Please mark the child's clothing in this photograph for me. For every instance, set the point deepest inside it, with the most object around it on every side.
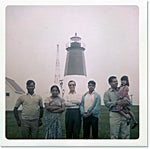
(122, 109)
(122, 95)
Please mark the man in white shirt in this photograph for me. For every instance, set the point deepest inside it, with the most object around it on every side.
(72, 115)
(90, 110)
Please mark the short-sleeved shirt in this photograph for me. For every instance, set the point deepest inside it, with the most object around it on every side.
(30, 106)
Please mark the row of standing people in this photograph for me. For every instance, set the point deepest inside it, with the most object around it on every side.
(78, 107)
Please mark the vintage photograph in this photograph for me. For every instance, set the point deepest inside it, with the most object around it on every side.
(73, 72)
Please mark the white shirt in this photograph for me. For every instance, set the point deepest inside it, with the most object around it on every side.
(89, 99)
(72, 100)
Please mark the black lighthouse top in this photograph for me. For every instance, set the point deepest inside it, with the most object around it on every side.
(75, 43)
(75, 38)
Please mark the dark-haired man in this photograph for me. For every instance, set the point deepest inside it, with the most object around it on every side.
(32, 112)
(72, 115)
(90, 110)
(118, 123)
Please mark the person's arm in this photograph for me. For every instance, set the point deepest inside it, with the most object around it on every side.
(107, 101)
(41, 112)
(76, 102)
(15, 111)
(61, 109)
(69, 103)
(124, 102)
(41, 108)
(51, 107)
(77, 99)
(82, 106)
(16, 114)
(40, 116)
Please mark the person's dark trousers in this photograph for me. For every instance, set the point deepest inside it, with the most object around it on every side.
(89, 122)
(72, 123)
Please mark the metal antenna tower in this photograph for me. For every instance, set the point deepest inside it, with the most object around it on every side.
(57, 68)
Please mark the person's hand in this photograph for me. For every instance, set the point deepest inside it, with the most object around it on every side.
(126, 102)
(86, 114)
(19, 123)
(122, 102)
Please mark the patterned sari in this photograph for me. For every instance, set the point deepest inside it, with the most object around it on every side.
(52, 122)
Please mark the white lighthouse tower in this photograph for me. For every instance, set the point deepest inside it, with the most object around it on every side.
(75, 68)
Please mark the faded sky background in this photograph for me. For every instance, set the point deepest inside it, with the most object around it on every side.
(110, 33)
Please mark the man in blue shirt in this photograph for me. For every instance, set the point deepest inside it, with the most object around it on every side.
(90, 110)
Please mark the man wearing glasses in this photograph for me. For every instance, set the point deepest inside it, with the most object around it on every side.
(72, 115)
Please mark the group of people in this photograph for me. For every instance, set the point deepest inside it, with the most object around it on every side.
(78, 109)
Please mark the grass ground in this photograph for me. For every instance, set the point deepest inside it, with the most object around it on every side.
(13, 131)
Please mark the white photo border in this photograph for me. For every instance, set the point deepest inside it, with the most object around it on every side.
(143, 131)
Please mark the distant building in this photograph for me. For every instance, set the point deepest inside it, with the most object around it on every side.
(13, 91)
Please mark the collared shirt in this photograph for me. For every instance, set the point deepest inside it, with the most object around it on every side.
(72, 100)
(110, 97)
(30, 106)
(89, 99)
(94, 109)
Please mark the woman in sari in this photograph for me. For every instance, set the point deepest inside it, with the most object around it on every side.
(52, 120)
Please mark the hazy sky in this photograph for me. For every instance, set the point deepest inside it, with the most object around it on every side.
(110, 33)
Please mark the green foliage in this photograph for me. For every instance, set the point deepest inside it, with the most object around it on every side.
(13, 131)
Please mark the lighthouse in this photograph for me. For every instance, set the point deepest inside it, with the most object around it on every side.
(75, 67)
(75, 61)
